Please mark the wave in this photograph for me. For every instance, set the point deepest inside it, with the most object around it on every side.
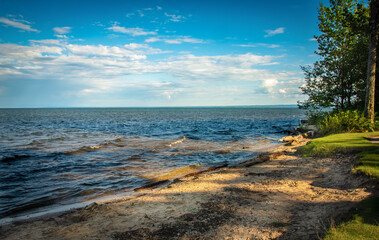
(40, 142)
(84, 150)
(117, 142)
(176, 142)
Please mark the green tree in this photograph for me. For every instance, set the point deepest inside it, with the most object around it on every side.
(372, 61)
(337, 80)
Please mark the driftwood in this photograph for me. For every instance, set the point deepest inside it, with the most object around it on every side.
(205, 170)
(158, 183)
(151, 185)
(262, 158)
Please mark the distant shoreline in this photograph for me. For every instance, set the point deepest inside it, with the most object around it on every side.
(161, 107)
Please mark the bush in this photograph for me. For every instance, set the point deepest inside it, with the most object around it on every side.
(315, 117)
(346, 121)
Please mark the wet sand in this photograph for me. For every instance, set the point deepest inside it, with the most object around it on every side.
(278, 195)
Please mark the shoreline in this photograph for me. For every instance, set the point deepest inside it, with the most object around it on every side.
(261, 198)
(158, 181)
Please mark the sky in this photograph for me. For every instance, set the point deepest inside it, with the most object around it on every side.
(151, 53)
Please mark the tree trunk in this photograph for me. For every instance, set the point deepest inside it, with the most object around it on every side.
(371, 68)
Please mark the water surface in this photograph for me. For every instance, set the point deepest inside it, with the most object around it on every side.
(60, 157)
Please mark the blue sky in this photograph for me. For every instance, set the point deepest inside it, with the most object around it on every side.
(154, 53)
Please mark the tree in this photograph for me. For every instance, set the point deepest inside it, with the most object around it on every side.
(337, 80)
(371, 66)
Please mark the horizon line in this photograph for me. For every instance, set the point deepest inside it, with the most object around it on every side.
(220, 106)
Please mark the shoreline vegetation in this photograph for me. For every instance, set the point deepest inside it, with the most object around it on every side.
(342, 89)
(285, 193)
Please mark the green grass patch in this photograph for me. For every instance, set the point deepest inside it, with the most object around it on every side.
(363, 224)
(347, 143)
(369, 163)
(338, 143)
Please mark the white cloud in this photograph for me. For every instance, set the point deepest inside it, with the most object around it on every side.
(62, 30)
(128, 15)
(18, 23)
(218, 68)
(312, 39)
(144, 48)
(103, 51)
(152, 39)
(25, 54)
(136, 46)
(271, 33)
(269, 83)
(143, 12)
(169, 93)
(60, 36)
(132, 31)
(175, 18)
(48, 41)
(174, 40)
(259, 45)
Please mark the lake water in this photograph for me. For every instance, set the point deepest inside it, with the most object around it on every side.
(51, 158)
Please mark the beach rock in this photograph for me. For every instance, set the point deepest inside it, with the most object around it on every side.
(91, 206)
(287, 139)
(292, 140)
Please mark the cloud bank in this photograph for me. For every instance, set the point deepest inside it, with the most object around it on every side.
(102, 69)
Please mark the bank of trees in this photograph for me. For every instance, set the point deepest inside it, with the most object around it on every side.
(339, 79)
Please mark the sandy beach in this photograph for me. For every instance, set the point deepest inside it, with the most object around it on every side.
(279, 195)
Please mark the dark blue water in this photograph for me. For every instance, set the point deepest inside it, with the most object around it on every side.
(55, 157)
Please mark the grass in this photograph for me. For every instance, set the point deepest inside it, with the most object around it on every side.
(335, 143)
(364, 223)
(347, 143)
(369, 163)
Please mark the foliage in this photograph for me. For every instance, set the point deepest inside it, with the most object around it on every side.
(345, 121)
(315, 117)
(338, 79)
(363, 224)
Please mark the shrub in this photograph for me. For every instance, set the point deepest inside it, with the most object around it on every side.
(315, 117)
(346, 121)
